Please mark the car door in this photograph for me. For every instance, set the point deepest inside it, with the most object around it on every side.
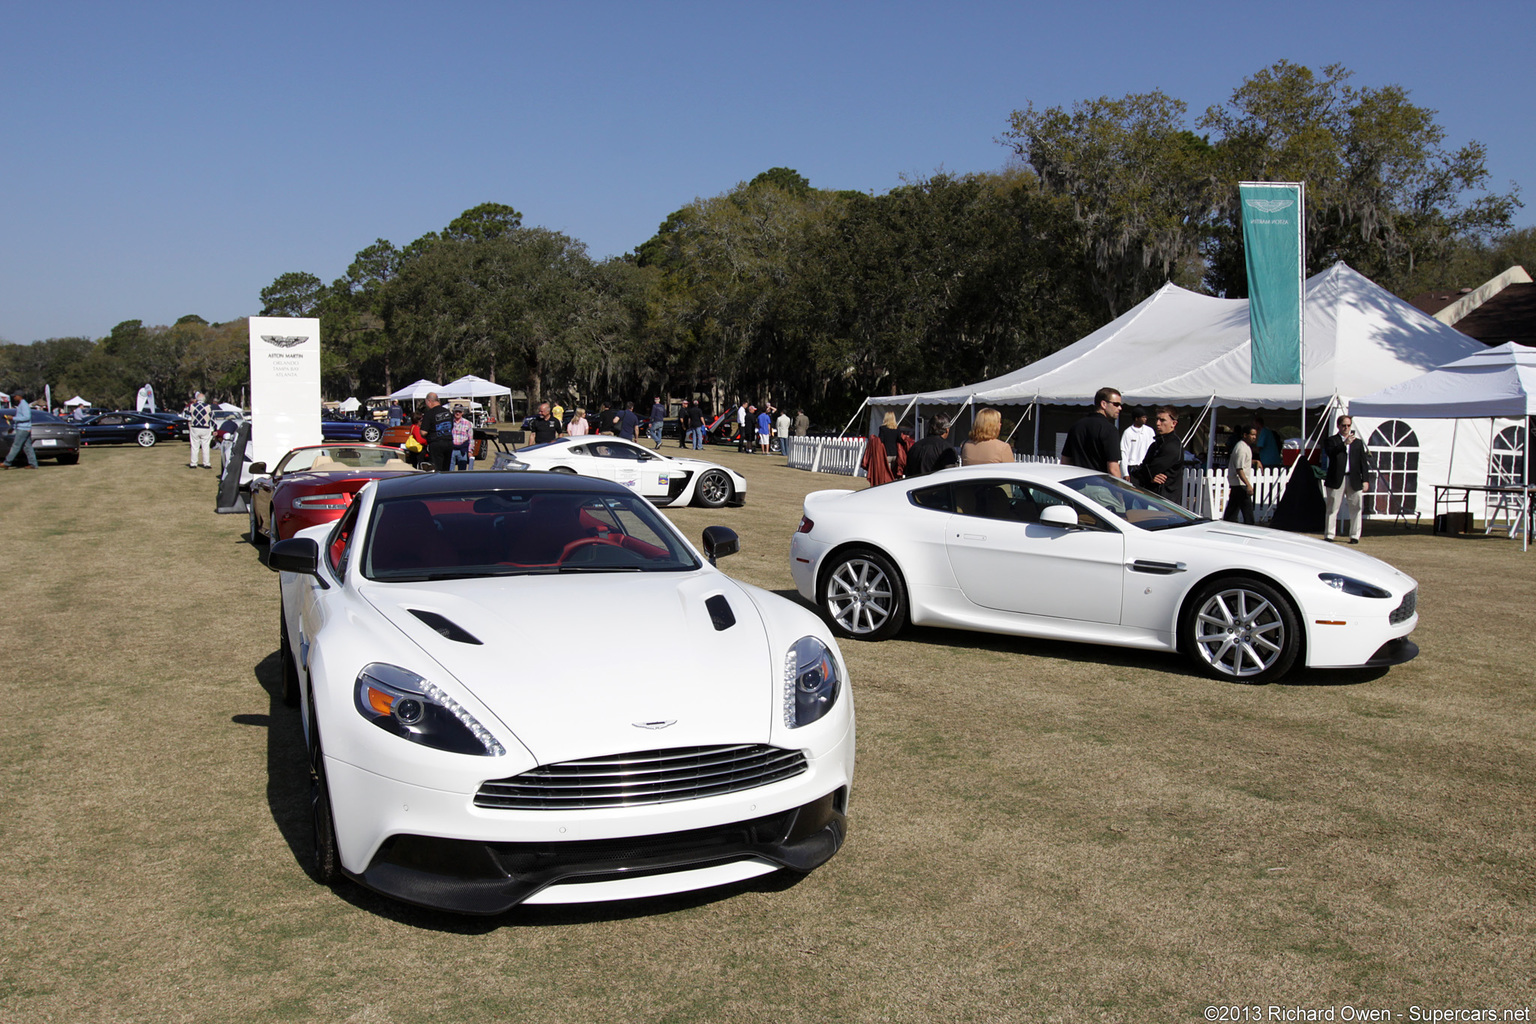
(1005, 559)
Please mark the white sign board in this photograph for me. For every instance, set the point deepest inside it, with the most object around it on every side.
(285, 385)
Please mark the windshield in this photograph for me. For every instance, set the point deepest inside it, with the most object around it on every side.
(515, 533)
(1132, 504)
(340, 456)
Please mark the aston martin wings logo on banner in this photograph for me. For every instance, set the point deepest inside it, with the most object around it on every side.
(284, 340)
(1272, 246)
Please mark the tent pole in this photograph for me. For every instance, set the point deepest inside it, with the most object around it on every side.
(1035, 406)
(855, 416)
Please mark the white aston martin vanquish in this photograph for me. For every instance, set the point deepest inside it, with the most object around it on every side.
(661, 478)
(522, 687)
(1054, 551)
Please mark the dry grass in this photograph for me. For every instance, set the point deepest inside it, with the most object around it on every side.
(1039, 831)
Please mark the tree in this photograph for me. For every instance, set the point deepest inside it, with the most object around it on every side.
(292, 294)
(483, 222)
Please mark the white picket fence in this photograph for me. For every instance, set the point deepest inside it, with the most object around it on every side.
(1205, 492)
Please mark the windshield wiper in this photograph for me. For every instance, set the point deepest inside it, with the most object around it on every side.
(600, 568)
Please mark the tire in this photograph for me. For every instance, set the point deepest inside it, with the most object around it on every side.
(1241, 629)
(372, 434)
(69, 460)
(324, 862)
(146, 438)
(567, 470)
(713, 489)
(257, 537)
(862, 597)
(285, 655)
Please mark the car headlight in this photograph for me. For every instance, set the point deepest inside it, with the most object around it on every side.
(1350, 585)
(401, 702)
(810, 682)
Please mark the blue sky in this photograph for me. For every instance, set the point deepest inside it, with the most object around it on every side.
(165, 158)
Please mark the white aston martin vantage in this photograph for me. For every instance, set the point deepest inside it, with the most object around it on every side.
(661, 478)
(1054, 551)
(529, 688)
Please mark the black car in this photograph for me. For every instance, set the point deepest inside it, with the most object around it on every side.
(142, 429)
(52, 437)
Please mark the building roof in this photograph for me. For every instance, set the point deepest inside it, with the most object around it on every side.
(1508, 316)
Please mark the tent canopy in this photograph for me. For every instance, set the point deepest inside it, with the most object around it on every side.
(470, 386)
(1497, 381)
(350, 405)
(1181, 348)
(419, 390)
(77, 400)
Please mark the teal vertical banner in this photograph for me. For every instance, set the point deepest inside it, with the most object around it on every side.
(1272, 245)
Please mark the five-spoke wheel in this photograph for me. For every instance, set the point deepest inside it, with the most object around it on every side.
(1242, 629)
(862, 596)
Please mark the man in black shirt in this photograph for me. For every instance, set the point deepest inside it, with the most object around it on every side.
(437, 428)
(629, 423)
(933, 452)
(1161, 471)
(544, 427)
(1093, 442)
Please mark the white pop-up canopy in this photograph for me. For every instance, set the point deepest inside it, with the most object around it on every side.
(1182, 348)
(1497, 381)
(470, 386)
(419, 390)
(350, 405)
(77, 400)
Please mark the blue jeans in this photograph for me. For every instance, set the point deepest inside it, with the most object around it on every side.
(698, 438)
(656, 432)
(21, 442)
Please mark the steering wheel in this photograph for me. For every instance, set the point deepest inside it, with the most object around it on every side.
(580, 543)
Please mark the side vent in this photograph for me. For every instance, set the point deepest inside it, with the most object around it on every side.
(720, 612)
(451, 630)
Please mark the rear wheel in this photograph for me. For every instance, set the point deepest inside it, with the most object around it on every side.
(285, 655)
(372, 434)
(146, 438)
(862, 596)
(1241, 629)
(714, 488)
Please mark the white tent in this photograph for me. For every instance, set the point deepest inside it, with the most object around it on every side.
(1181, 348)
(470, 386)
(350, 405)
(77, 400)
(1492, 382)
(227, 407)
(417, 391)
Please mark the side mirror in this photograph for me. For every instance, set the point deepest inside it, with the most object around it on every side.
(720, 541)
(297, 554)
(258, 468)
(1059, 515)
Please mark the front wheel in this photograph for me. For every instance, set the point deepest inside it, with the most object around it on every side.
(1241, 629)
(714, 488)
(372, 434)
(862, 597)
(146, 438)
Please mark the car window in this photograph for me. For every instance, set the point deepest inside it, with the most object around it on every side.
(512, 532)
(1132, 504)
(1013, 501)
(339, 546)
(938, 498)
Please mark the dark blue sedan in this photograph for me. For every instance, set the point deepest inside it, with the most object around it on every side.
(138, 428)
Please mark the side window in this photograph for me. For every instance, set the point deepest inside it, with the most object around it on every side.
(937, 498)
(339, 547)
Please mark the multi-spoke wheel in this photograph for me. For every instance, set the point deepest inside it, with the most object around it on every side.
(1242, 629)
(714, 488)
(324, 861)
(372, 434)
(146, 438)
(862, 596)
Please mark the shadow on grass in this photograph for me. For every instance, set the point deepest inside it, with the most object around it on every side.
(1163, 663)
(288, 799)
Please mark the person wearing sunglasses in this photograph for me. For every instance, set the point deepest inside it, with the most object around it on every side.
(1094, 442)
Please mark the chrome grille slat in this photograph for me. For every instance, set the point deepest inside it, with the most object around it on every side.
(643, 777)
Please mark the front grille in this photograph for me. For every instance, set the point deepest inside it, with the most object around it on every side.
(643, 777)
(1404, 611)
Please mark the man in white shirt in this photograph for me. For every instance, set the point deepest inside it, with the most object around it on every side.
(1135, 441)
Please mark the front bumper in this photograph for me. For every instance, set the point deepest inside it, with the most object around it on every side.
(470, 877)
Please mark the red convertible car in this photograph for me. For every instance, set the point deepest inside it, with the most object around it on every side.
(315, 484)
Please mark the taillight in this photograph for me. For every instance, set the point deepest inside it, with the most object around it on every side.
(805, 525)
(325, 501)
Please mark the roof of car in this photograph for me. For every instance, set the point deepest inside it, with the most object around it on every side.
(420, 485)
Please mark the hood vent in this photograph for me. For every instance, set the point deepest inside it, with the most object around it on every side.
(451, 630)
(720, 612)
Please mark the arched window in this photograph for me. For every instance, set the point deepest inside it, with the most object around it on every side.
(1394, 447)
(1506, 462)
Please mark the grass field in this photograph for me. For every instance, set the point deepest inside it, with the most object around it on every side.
(1039, 831)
